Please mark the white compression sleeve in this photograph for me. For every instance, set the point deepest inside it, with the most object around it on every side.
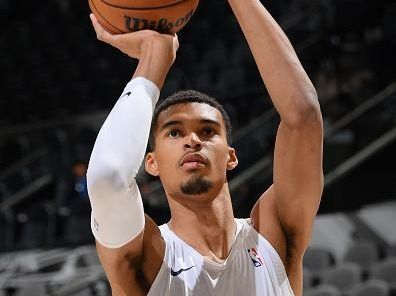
(117, 208)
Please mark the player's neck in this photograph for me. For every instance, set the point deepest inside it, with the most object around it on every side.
(207, 226)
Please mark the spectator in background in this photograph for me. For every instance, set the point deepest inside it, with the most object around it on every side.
(80, 180)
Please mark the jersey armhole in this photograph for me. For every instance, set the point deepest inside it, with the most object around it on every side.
(279, 267)
(164, 266)
(267, 244)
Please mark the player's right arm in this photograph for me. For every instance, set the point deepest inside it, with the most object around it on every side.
(123, 233)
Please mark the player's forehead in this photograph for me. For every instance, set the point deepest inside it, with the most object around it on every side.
(191, 112)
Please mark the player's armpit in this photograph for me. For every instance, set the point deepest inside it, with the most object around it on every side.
(132, 268)
(265, 220)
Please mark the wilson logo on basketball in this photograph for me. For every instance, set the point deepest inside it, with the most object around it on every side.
(124, 16)
(162, 25)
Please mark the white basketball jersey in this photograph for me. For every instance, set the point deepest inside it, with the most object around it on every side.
(252, 268)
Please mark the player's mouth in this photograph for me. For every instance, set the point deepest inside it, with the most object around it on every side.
(193, 161)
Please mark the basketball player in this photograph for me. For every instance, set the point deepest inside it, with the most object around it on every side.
(204, 250)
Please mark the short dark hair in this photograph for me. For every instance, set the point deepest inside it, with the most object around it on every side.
(188, 96)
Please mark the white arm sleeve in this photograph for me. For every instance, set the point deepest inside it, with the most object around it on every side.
(117, 209)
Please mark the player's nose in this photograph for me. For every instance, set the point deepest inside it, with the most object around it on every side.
(193, 141)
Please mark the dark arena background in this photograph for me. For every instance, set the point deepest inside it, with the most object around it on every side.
(58, 83)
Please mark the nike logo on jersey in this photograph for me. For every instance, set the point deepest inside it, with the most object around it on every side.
(126, 94)
(176, 273)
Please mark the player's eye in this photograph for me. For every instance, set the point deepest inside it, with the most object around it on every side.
(208, 131)
(173, 133)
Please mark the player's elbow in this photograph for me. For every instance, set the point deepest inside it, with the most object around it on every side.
(304, 112)
(104, 176)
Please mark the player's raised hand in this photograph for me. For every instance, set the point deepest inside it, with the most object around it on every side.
(135, 43)
(156, 52)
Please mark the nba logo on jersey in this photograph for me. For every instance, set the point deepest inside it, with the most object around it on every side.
(256, 257)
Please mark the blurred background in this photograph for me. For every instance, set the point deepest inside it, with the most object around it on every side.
(59, 83)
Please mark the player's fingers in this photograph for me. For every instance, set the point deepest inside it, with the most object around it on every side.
(101, 33)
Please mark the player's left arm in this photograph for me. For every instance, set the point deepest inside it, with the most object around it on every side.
(285, 212)
(298, 180)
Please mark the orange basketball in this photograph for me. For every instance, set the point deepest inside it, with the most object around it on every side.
(164, 16)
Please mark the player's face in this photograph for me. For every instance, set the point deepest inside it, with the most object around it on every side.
(191, 154)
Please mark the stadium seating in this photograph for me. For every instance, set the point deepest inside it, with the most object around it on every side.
(378, 217)
(392, 251)
(53, 272)
(362, 270)
(386, 271)
(318, 260)
(323, 290)
(334, 233)
(364, 253)
(32, 289)
(371, 288)
(308, 279)
(343, 276)
(3, 231)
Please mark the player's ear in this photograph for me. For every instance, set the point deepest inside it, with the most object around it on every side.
(232, 161)
(151, 164)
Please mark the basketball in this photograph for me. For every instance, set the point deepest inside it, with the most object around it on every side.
(123, 16)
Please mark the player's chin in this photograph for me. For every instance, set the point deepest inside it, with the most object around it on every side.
(196, 186)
